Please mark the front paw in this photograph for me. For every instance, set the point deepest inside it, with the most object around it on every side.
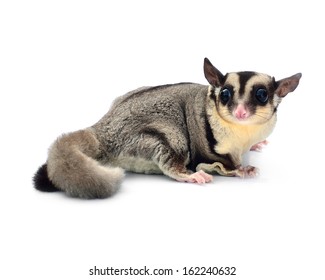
(259, 146)
(247, 171)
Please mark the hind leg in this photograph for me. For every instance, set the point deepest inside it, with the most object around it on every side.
(177, 170)
(173, 164)
(171, 156)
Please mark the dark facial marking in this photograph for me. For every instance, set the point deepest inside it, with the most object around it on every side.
(254, 103)
(243, 79)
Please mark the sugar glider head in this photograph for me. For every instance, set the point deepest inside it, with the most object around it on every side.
(247, 97)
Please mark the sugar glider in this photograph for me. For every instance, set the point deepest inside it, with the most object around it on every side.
(186, 131)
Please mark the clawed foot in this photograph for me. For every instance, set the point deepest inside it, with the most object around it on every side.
(199, 177)
(259, 146)
(247, 171)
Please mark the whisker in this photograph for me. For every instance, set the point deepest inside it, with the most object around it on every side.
(263, 113)
(262, 117)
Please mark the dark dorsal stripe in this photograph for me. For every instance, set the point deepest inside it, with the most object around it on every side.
(151, 89)
(243, 79)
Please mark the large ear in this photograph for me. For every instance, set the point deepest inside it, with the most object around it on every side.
(287, 85)
(212, 74)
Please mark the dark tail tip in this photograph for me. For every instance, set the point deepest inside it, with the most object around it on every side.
(42, 181)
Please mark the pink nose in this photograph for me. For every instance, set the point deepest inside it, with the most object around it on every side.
(241, 112)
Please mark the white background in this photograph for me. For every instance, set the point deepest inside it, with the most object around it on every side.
(62, 63)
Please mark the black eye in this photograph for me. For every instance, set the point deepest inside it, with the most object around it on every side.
(261, 95)
(225, 95)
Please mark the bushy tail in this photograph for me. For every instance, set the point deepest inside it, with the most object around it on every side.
(72, 167)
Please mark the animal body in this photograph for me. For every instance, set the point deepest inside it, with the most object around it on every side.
(186, 131)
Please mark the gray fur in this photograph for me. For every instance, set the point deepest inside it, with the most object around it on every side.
(158, 125)
(74, 166)
(173, 129)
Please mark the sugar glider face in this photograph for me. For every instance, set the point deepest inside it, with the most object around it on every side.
(247, 97)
